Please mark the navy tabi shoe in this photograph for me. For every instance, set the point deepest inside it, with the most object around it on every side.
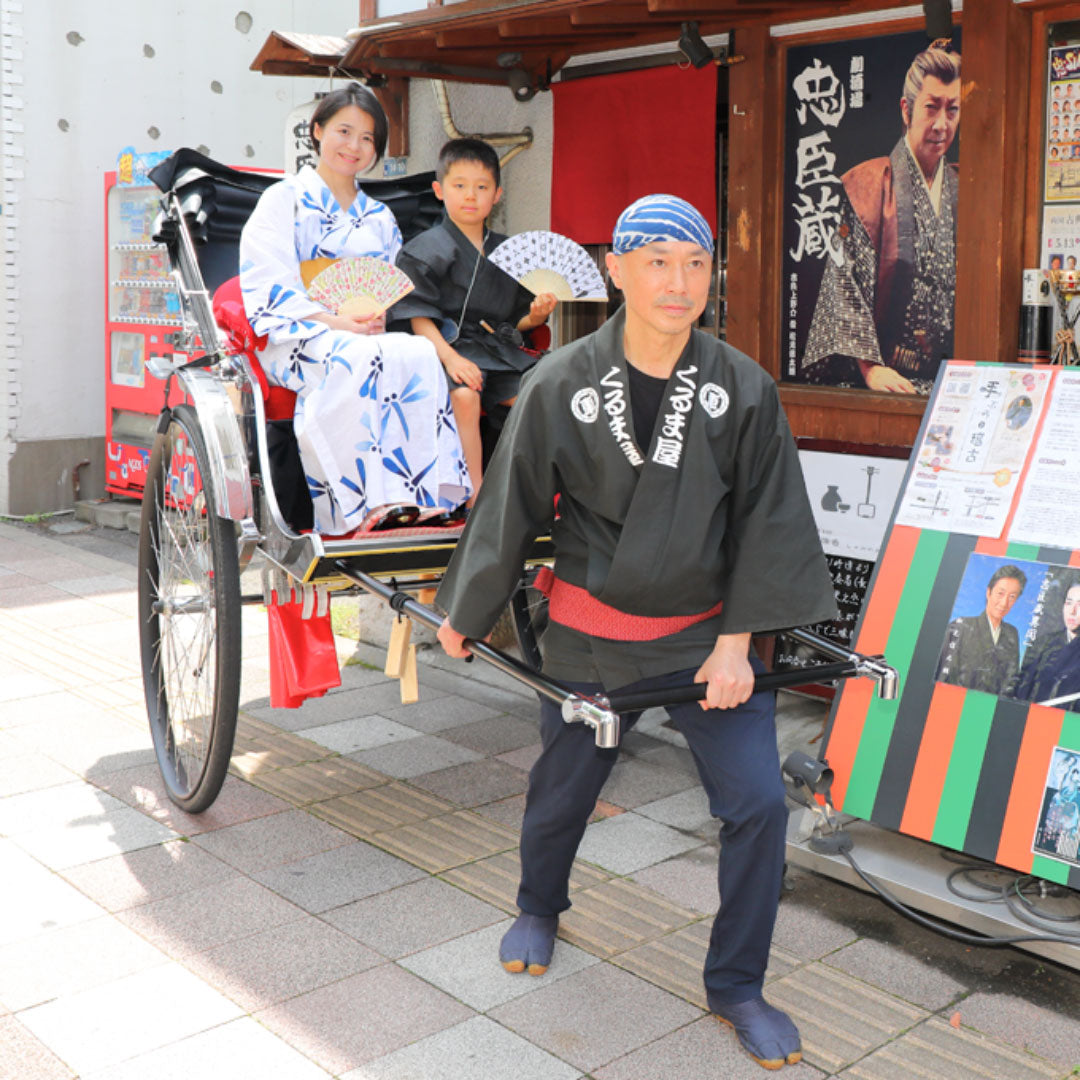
(767, 1034)
(529, 943)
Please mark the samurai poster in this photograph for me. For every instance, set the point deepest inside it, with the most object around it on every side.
(871, 140)
(1062, 159)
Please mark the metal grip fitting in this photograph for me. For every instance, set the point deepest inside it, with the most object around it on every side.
(597, 715)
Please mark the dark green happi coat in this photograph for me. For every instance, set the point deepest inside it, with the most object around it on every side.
(715, 508)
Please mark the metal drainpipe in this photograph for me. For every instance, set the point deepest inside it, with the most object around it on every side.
(517, 142)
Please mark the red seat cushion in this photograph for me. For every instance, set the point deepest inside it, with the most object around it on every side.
(230, 315)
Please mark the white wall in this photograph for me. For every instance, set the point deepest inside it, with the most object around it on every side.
(83, 79)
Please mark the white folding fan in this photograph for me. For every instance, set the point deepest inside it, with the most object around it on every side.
(549, 262)
(359, 286)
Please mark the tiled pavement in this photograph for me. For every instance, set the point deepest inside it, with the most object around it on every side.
(336, 913)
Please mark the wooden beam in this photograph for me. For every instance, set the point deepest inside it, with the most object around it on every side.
(369, 10)
(394, 98)
(543, 28)
(619, 14)
(994, 138)
(752, 97)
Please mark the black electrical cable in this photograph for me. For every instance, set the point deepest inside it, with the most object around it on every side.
(1061, 938)
(948, 931)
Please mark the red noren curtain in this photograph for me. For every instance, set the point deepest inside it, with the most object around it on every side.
(618, 137)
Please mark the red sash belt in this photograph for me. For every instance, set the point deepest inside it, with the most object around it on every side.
(575, 607)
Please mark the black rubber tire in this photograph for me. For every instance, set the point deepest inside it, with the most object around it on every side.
(529, 610)
(189, 616)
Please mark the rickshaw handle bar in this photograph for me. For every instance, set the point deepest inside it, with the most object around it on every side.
(602, 713)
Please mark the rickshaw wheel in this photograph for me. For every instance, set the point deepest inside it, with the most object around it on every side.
(189, 616)
(529, 609)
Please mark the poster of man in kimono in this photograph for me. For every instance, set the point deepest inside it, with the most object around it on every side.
(1058, 831)
(869, 205)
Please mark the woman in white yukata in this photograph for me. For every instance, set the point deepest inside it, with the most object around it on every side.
(373, 418)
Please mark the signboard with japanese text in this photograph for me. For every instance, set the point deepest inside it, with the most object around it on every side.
(1062, 154)
(852, 496)
(869, 209)
(975, 600)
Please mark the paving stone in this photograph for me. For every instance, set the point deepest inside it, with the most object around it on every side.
(379, 809)
(687, 810)
(508, 812)
(935, 1049)
(703, 1050)
(439, 713)
(496, 735)
(595, 1015)
(259, 746)
(271, 841)
(892, 969)
(24, 1057)
(239, 1050)
(630, 842)
(330, 879)
(524, 758)
(478, 1049)
(619, 915)
(71, 959)
(809, 933)
(689, 879)
(674, 962)
(107, 1024)
(475, 783)
(361, 733)
(24, 771)
(154, 873)
(143, 789)
(317, 781)
(440, 843)
(1023, 1024)
(266, 968)
(363, 692)
(363, 1017)
(413, 917)
(415, 757)
(468, 968)
(633, 783)
(496, 879)
(98, 837)
(840, 1019)
(201, 919)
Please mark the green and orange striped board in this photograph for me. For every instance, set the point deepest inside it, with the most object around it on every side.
(960, 768)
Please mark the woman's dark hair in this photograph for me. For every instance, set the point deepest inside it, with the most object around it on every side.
(351, 94)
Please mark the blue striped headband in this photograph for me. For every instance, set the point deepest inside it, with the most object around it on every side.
(660, 217)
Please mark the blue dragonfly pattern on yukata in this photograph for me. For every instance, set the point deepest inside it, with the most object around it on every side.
(373, 417)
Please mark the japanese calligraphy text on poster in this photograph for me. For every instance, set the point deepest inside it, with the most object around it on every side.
(977, 439)
(1048, 512)
(1060, 238)
(869, 205)
(1062, 161)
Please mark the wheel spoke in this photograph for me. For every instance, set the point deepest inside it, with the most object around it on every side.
(185, 577)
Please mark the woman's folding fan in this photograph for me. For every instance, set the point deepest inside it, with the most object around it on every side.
(360, 286)
(549, 262)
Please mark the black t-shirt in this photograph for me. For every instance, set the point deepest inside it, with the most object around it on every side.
(646, 397)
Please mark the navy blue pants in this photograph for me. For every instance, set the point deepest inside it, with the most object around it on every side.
(736, 756)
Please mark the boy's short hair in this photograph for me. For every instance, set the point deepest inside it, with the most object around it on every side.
(469, 150)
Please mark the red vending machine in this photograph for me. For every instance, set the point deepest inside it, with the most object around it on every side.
(142, 308)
